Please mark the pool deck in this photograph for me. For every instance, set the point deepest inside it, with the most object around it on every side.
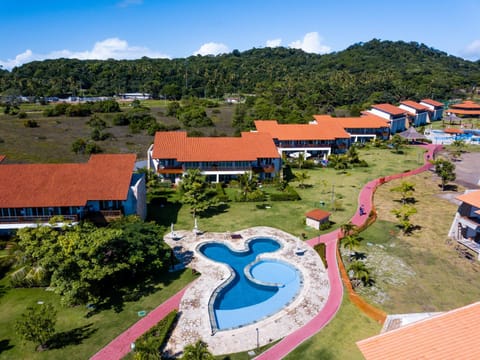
(194, 322)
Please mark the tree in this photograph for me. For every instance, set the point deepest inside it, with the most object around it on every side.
(197, 351)
(84, 263)
(196, 192)
(403, 215)
(351, 242)
(37, 324)
(397, 143)
(406, 189)
(302, 176)
(445, 170)
(359, 272)
(348, 228)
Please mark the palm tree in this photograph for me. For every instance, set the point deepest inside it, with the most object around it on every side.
(351, 242)
(348, 229)
(359, 272)
(301, 177)
(197, 351)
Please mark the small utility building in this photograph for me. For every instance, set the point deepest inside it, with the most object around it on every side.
(317, 217)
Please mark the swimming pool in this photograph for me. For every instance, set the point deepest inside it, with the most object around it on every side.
(255, 289)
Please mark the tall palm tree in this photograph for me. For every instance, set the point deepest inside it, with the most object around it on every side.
(197, 351)
(351, 242)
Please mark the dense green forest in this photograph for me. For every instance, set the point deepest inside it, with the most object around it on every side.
(365, 73)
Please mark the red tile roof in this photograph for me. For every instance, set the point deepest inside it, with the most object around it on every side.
(2, 157)
(472, 198)
(389, 109)
(317, 214)
(432, 102)
(177, 145)
(453, 131)
(366, 121)
(103, 177)
(414, 105)
(466, 105)
(278, 131)
(451, 335)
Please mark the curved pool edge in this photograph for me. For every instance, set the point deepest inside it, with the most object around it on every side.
(194, 321)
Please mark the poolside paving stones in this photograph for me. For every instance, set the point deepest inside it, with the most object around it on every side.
(195, 323)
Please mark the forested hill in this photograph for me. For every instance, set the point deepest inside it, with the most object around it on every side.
(364, 73)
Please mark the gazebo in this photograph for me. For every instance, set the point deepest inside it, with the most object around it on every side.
(411, 134)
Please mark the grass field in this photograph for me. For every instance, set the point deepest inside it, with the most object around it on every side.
(423, 271)
(78, 335)
(52, 140)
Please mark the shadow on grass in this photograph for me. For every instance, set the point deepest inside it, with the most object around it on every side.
(5, 345)
(115, 298)
(71, 337)
(222, 208)
(163, 212)
(3, 290)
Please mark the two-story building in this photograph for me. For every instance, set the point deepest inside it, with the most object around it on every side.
(219, 158)
(435, 108)
(396, 117)
(311, 139)
(418, 113)
(361, 129)
(466, 224)
(31, 194)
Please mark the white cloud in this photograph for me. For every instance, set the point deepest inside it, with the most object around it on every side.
(473, 49)
(112, 48)
(212, 48)
(274, 43)
(126, 3)
(311, 43)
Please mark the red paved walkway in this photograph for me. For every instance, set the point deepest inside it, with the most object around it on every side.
(120, 346)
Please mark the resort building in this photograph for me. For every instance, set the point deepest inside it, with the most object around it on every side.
(435, 108)
(396, 117)
(219, 158)
(418, 113)
(465, 109)
(465, 227)
(31, 194)
(361, 129)
(448, 335)
(311, 139)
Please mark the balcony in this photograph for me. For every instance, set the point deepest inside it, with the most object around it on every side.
(34, 219)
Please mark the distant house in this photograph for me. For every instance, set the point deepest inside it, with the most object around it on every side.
(135, 96)
(465, 109)
(219, 158)
(396, 117)
(465, 228)
(418, 114)
(435, 108)
(311, 139)
(449, 335)
(32, 194)
(315, 218)
(361, 129)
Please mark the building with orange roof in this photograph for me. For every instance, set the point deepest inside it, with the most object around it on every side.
(105, 185)
(219, 158)
(465, 109)
(364, 128)
(449, 335)
(316, 217)
(418, 114)
(312, 139)
(435, 108)
(396, 117)
(465, 227)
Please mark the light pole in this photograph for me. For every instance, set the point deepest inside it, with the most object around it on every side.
(258, 339)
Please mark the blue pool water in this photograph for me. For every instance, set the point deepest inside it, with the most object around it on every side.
(257, 288)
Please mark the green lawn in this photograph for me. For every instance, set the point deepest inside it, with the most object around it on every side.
(80, 336)
(337, 340)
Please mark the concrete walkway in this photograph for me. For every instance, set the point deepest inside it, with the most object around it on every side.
(334, 301)
(120, 346)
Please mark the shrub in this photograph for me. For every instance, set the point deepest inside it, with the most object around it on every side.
(149, 344)
(22, 115)
(289, 194)
(30, 124)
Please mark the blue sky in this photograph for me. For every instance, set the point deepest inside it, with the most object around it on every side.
(128, 29)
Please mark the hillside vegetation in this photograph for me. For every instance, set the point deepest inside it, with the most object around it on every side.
(364, 73)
